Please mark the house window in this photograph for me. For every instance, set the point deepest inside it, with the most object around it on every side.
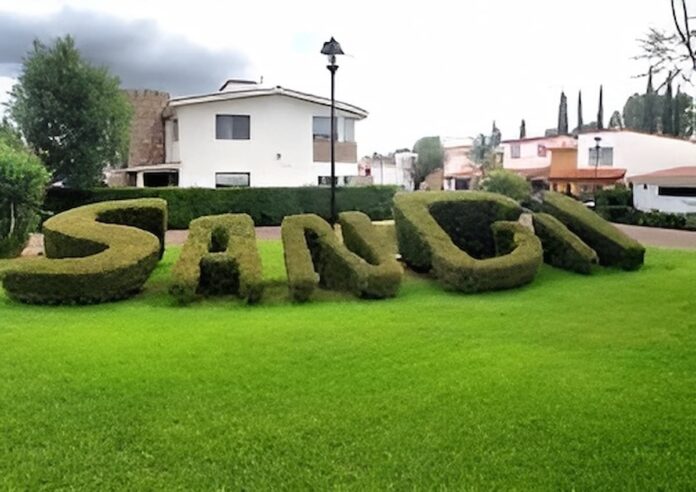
(232, 127)
(349, 131)
(326, 180)
(321, 128)
(232, 180)
(541, 150)
(515, 151)
(679, 191)
(606, 156)
(175, 130)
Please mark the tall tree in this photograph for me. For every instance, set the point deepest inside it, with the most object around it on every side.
(649, 123)
(580, 122)
(431, 156)
(668, 111)
(600, 110)
(563, 115)
(678, 109)
(72, 114)
(615, 121)
(523, 129)
(496, 136)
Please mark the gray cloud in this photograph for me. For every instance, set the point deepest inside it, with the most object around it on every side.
(139, 52)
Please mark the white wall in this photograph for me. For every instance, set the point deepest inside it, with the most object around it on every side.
(638, 153)
(171, 147)
(646, 198)
(278, 153)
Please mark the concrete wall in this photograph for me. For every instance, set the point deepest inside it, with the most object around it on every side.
(646, 198)
(147, 127)
(280, 151)
(638, 153)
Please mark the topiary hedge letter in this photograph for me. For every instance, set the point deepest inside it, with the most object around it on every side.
(220, 257)
(96, 253)
(314, 255)
(613, 247)
(468, 239)
(562, 248)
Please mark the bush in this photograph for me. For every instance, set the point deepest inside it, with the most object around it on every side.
(613, 247)
(23, 180)
(507, 183)
(90, 256)
(619, 196)
(220, 257)
(315, 256)
(562, 248)
(266, 206)
(629, 215)
(468, 239)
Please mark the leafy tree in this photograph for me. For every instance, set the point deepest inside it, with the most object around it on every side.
(615, 120)
(523, 129)
(10, 136)
(23, 180)
(635, 108)
(431, 156)
(507, 183)
(71, 113)
(563, 115)
(668, 111)
(580, 122)
(600, 110)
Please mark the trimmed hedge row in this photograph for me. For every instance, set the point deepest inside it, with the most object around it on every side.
(613, 247)
(266, 206)
(315, 256)
(96, 253)
(562, 248)
(219, 257)
(629, 215)
(437, 230)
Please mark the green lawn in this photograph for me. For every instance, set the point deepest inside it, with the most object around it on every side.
(571, 383)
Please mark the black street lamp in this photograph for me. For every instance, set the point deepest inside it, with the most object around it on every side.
(596, 168)
(331, 49)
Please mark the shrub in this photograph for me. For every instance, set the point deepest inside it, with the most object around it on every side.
(266, 206)
(613, 247)
(315, 256)
(220, 257)
(629, 215)
(619, 196)
(468, 239)
(96, 253)
(507, 183)
(562, 248)
(23, 180)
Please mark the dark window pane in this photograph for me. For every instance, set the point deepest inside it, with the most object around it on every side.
(240, 128)
(223, 127)
(676, 191)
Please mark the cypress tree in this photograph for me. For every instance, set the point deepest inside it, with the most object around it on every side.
(668, 109)
(676, 123)
(649, 116)
(523, 129)
(600, 110)
(563, 115)
(580, 122)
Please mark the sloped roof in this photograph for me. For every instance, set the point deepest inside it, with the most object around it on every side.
(679, 175)
(251, 90)
(589, 174)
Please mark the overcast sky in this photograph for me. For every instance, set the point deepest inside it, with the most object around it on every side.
(444, 68)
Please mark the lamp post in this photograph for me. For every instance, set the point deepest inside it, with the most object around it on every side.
(331, 49)
(596, 168)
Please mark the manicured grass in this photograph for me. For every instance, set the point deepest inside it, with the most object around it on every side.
(573, 382)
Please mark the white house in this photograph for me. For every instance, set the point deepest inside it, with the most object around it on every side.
(669, 190)
(249, 135)
(394, 169)
(639, 153)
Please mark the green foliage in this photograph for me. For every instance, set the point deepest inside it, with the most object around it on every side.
(637, 107)
(615, 122)
(266, 206)
(71, 113)
(10, 136)
(600, 109)
(668, 110)
(220, 257)
(467, 239)
(624, 214)
(507, 183)
(431, 156)
(315, 256)
(617, 196)
(483, 152)
(22, 183)
(580, 117)
(562, 248)
(90, 256)
(613, 247)
(523, 129)
(563, 115)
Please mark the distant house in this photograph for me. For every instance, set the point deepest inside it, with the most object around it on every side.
(570, 164)
(243, 135)
(394, 169)
(669, 190)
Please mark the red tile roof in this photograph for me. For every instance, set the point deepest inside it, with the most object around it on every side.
(533, 172)
(674, 172)
(589, 174)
